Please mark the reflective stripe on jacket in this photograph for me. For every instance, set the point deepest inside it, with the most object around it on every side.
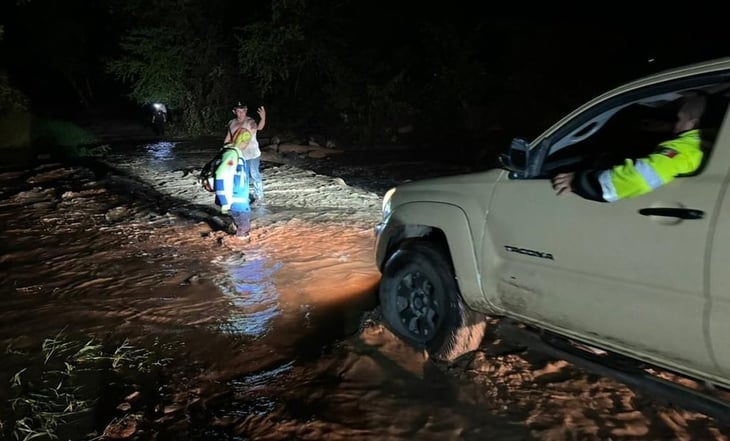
(232, 182)
(672, 158)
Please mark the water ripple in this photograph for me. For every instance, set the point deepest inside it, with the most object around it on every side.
(251, 290)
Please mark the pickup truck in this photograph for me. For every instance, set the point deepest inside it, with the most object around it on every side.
(645, 278)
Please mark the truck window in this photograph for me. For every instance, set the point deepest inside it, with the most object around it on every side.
(632, 131)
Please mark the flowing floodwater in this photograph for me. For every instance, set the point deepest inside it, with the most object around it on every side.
(126, 310)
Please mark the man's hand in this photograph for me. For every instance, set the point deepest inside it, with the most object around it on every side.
(563, 183)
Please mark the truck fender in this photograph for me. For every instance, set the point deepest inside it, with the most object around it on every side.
(408, 222)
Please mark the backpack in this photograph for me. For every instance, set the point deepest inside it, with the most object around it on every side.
(207, 173)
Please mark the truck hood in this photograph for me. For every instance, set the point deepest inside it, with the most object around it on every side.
(456, 189)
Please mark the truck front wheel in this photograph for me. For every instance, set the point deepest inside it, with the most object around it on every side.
(421, 303)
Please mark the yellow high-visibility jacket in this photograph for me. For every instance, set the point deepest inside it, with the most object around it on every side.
(678, 156)
(231, 182)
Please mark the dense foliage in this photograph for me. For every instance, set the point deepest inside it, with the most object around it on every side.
(369, 72)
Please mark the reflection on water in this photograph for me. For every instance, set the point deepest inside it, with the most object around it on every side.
(249, 284)
(161, 151)
(257, 381)
(251, 390)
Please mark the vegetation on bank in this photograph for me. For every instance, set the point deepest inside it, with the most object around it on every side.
(22, 130)
(78, 389)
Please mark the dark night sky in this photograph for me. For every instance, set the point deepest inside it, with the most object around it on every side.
(598, 53)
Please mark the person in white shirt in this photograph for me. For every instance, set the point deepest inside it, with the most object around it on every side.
(252, 153)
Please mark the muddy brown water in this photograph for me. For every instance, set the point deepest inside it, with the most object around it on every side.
(272, 339)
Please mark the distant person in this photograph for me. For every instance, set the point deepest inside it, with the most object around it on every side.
(159, 118)
(252, 153)
(678, 156)
(232, 179)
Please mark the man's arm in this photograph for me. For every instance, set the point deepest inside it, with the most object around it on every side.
(630, 179)
(584, 183)
(262, 120)
(619, 182)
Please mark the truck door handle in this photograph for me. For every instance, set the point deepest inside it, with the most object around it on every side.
(680, 213)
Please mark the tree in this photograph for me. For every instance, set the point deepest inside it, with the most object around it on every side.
(368, 71)
(182, 62)
(10, 98)
(154, 63)
(57, 46)
(307, 57)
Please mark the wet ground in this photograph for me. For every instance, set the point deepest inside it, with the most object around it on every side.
(126, 311)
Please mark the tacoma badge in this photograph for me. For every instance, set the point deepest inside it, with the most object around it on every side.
(527, 252)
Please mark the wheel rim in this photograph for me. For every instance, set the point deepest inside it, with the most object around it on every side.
(418, 306)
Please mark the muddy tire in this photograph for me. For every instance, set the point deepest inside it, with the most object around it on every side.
(421, 303)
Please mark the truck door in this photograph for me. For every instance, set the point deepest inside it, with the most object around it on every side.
(616, 273)
(719, 284)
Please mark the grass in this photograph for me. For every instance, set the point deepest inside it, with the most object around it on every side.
(69, 137)
(56, 395)
(20, 129)
(62, 133)
(15, 129)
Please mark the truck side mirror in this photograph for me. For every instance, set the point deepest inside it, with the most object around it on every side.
(517, 157)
